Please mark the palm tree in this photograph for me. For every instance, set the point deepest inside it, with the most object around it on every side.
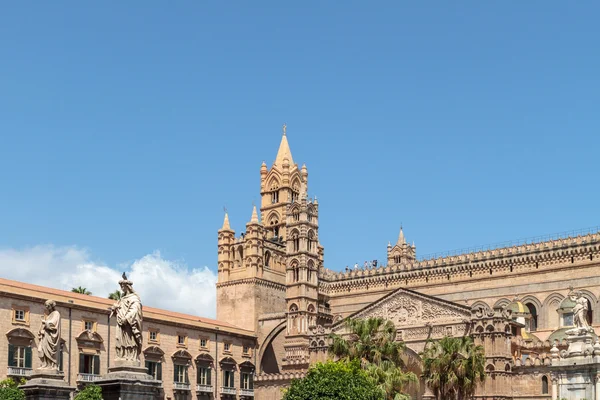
(81, 290)
(116, 295)
(452, 367)
(373, 342)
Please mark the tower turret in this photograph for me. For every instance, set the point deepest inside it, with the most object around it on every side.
(401, 253)
(226, 239)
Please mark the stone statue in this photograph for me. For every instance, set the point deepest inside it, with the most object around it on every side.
(49, 337)
(128, 311)
(579, 314)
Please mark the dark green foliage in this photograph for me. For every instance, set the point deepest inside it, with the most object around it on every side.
(81, 290)
(334, 381)
(453, 367)
(91, 392)
(9, 390)
(372, 342)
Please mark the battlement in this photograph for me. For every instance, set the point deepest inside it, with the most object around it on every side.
(573, 247)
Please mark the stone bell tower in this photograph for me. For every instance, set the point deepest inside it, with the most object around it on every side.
(252, 266)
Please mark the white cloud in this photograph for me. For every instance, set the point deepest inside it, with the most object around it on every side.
(161, 283)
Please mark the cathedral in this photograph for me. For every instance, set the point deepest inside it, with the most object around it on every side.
(520, 302)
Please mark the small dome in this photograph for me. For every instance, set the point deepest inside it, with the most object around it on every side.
(566, 305)
(518, 309)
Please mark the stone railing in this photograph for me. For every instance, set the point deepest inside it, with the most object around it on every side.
(87, 377)
(247, 392)
(228, 390)
(204, 388)
(18, 371)
(285, 377)
(181, 386)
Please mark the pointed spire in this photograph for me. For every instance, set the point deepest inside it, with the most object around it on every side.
(254, 218)
(401, 239)
(284, 151)
(226, 226)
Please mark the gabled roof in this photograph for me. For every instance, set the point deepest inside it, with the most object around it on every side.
(408, 307)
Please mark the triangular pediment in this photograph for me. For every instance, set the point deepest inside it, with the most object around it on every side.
(407, 308)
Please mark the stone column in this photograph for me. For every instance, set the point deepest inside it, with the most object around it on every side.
(555, 389)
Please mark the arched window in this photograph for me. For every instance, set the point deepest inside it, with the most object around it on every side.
(544, 385)
(311, 240)
(295, 241)
(267, 258)
(590, 312)
(533, 321)
(293, 308)
(240, 254)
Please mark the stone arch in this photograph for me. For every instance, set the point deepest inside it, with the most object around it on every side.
(502, 303)
(413, 363)
(536, 311)
(273, 184)
(273, 343)
(20, 333)
(479, 304)
(593, 302)
(294, 307)
(310, 308)
(550, 317)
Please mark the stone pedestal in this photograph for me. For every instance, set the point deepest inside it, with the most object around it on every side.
(47, 385)
(129, 381)
(580, 345)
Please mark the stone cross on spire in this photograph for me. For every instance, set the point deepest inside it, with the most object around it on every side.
(284, 128)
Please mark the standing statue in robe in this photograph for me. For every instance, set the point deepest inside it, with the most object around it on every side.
(579, 315)
(128, 311)
(49, 337)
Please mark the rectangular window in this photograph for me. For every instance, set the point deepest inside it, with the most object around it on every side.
(247, 381)
(88, 325)
(204, 376)
(153, 336)
(227, 347)
(154, 369)
(20, 315)
(89, 364)
(19, 356)
(246, 349)
(181, 375)
(228, 379)
(181, 340)
(568, 319)
(203, 343)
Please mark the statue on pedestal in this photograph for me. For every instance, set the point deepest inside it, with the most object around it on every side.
(49, 337)
(580, 310)
(128, 311)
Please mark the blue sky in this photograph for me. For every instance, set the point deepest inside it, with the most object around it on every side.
(125, 128)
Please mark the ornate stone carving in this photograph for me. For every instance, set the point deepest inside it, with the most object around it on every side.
(406, 309)
(49, 337)
(128, 311)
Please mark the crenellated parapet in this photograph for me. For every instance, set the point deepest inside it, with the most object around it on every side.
(506, 260)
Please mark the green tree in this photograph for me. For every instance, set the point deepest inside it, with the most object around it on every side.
(81, 290)
(453, 367)
(9, 390)
(339, 380)
(91, 392)
(373, 342)
(116, 295)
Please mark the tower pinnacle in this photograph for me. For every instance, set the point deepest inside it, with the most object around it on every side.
(226, 226)
(284, 151)
(254, 218)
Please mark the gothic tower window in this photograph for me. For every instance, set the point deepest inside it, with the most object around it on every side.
(295, 241)
(275, 197)
(267, 258)
(311, 240)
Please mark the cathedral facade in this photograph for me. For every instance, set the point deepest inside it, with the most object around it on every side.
(517, 301)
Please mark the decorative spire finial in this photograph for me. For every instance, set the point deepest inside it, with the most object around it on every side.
(284, 129)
